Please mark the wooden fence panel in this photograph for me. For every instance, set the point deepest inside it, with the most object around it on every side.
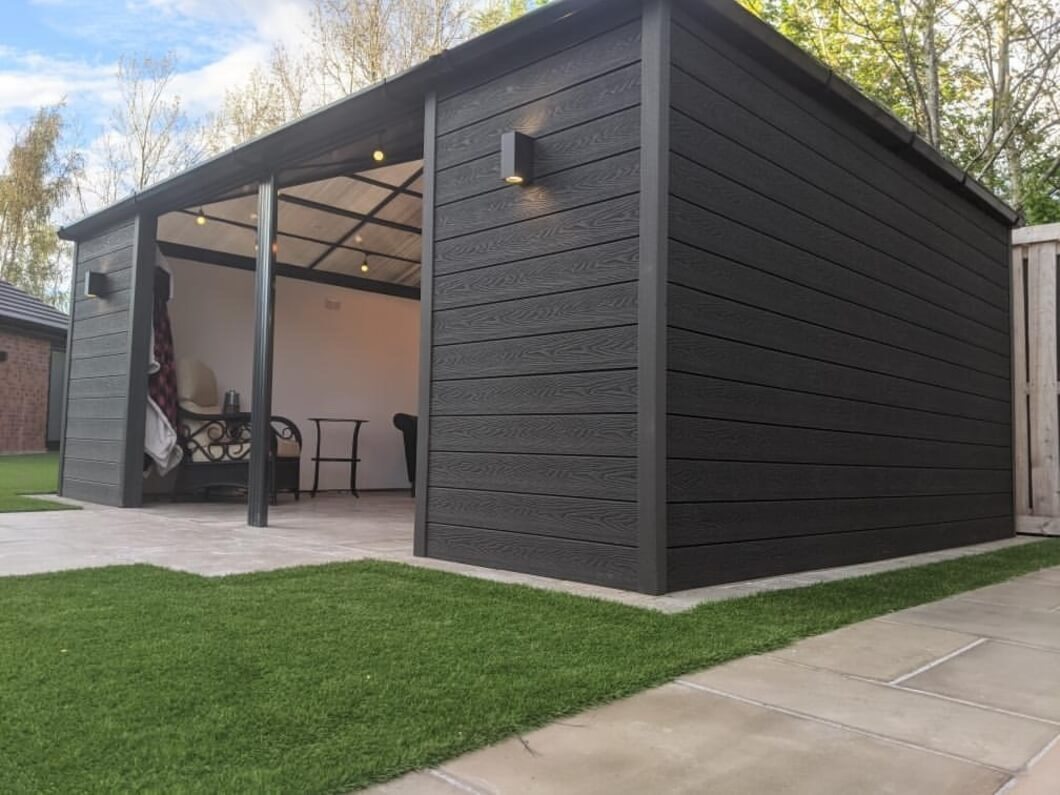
(1035, 383)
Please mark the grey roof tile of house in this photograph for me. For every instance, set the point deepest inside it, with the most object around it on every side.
(23, 309)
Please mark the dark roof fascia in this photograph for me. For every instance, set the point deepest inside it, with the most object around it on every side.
(798, 66)
(315, 132)
(30, 328)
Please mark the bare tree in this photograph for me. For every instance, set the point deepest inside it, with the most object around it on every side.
(149, 136)
(360, 42)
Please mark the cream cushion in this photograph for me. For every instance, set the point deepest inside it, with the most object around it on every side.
(196, 386)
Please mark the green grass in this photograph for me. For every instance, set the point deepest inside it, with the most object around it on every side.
(29, 474)
(326, 678)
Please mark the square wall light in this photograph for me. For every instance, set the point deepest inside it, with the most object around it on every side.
(95, 284)
(517, 158)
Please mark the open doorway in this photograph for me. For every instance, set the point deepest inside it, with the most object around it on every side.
(346, 333)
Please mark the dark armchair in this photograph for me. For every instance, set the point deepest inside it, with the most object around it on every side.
(216, 446)
(406, 423)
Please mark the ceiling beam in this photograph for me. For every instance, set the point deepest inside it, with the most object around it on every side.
(305, 238)
(378, 183)
(228, 260)
(371, 214)
(327, 208)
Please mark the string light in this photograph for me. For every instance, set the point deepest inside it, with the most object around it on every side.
(378, 156)
(200, 219)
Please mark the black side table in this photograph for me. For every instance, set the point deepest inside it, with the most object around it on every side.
(352, 460)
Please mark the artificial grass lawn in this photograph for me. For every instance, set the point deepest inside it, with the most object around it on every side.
(29, 474)
(325, 678)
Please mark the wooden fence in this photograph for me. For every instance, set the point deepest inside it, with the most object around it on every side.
(1035, 420)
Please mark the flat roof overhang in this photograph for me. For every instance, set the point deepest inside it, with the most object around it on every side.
(284, 150)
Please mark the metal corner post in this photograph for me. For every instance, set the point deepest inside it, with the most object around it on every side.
(423, 428)
(261, 403)
(651, 296)
(141, 339)
(66, 367)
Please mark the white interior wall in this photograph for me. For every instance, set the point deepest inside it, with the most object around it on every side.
(360, 359)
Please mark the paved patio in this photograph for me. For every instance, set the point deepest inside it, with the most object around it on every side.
(213, 539)
(960, 696)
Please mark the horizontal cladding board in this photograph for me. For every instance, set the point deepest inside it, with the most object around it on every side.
(102, 325)
(743, 241)
(99, 366)
(700, 145)
(103, 408)
(593, 266)
(559, 475)
(106, 386)
(702, 481)
(586, 59)
(117, 238)
(94, 450)
(690, 567)
(721, 440)
(700, 354)
(111, 303)
(112, 263)
(718, 193)
(601, 564)
(590, 183)
(695, 395)
(95, 429)
(757, 88)
(584, 226)
(574, 351)
(103, 345)
(706, 105)
(582, 434)
(691, 267)
(696, 523)
(571, 107)
(100, 493)
(604, 136)
(103, 472)
(575, 393)
(606, 521)
(709, 314)
(595, 307)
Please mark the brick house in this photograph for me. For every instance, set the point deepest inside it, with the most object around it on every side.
(32, 369)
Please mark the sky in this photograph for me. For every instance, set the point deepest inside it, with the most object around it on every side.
(54, 50)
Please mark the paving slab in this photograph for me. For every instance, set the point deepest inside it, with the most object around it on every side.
(1043, 777)
(1048, 575)
(419, 783)
(680, 741)
(970, 732)
(1034, 594)
(879, 650)
(996, 674)
(1002, 622)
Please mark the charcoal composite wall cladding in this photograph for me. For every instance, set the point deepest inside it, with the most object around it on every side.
(94, 442)
(532, 435)
(838, 384)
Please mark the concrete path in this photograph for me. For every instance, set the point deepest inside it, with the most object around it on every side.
(960, 696)
(213, 539)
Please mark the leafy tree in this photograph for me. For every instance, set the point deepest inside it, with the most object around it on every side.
(36, 181)
(497, 12)
(976, 78)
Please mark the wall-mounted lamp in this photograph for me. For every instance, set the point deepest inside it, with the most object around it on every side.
(517, 158)
(95, 284)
